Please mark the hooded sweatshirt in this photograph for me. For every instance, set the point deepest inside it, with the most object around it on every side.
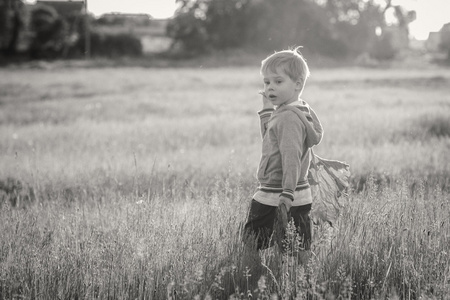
(288, 134)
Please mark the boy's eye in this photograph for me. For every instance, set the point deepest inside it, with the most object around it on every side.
(279, 81)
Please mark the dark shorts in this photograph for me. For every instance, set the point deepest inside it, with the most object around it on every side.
(262, 219)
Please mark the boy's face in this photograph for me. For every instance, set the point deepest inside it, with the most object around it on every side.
(280, 88)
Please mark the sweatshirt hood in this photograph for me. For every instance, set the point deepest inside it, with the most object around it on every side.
(314, 129)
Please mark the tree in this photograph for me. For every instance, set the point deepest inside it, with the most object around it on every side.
(50, 32)
(203, 24)
(283, 23)
(187, 29)
(11, 23)
(334, 28)
(357, 23)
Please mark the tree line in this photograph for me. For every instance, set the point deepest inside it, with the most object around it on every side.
(334, 28)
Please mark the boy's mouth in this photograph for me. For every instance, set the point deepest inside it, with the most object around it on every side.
(272, 97)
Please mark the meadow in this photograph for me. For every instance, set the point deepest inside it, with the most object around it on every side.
(134, 183)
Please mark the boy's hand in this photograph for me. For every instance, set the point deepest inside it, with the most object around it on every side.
(286, 202)
(266, 102)
(283, 209)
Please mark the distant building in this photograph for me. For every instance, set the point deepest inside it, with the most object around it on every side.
(123, 18)
(435, 39)
(445, 34)
(446, 28)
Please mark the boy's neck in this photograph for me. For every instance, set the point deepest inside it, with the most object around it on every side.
(294, 100)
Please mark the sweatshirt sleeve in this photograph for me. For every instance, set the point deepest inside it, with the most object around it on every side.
(264, 116)
(291, 134)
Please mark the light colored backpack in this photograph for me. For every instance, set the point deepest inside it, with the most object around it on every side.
(329, 181)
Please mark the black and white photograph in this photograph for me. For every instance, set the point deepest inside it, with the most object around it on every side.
(225, 149)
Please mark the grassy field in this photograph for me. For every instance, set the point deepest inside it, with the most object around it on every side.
(132, 183)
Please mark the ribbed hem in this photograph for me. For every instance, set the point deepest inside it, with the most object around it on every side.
(303, 197)
(278, 189)
(266, 111)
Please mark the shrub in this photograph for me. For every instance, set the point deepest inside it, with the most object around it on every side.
(109, 45)
(438, 126)
(424, 128)
(383, 48)
(15, 192)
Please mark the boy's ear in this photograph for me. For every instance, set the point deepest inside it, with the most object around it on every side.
(299, 84)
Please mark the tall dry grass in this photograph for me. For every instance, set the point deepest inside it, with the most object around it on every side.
(134, 183)
(386, 244)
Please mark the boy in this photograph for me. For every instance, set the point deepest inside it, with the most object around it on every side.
(289, 128)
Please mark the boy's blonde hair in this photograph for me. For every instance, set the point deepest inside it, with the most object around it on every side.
(291, 61)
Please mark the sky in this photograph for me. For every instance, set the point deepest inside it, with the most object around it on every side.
(431, 14)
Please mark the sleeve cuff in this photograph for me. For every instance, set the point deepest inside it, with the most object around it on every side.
(288, 194)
